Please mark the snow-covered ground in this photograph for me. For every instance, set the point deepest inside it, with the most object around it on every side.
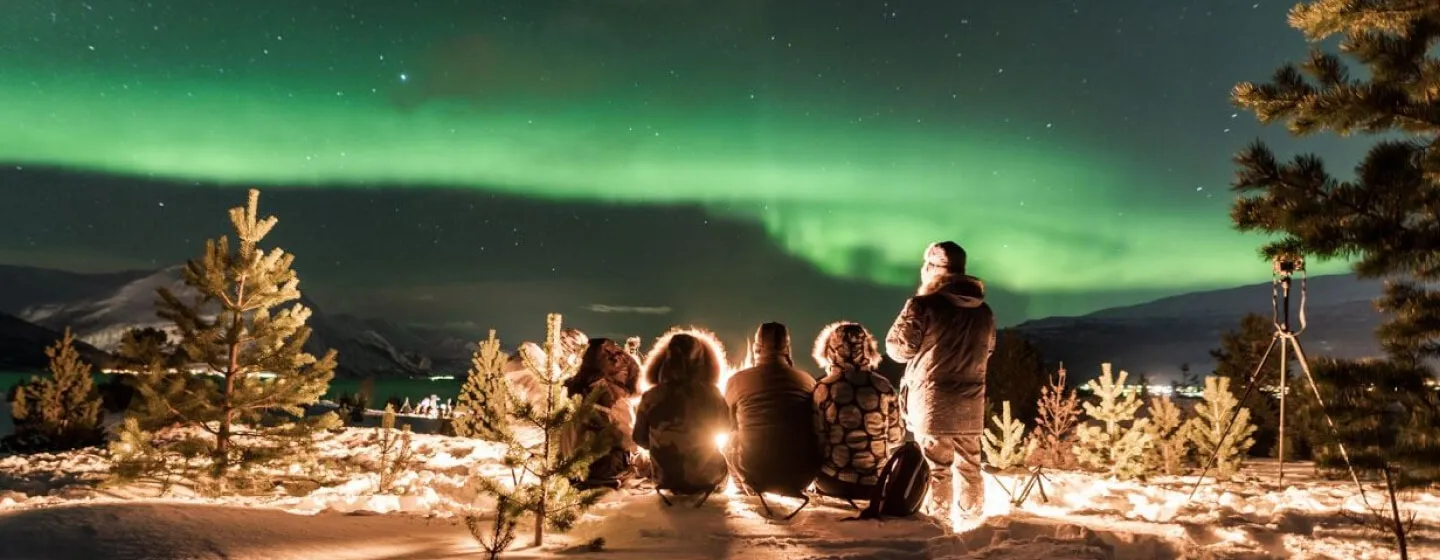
(52, 506)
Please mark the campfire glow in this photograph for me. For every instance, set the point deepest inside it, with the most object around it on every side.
(726, 371)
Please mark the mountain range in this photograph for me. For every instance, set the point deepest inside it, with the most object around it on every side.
(1154, 338)
(99, 308)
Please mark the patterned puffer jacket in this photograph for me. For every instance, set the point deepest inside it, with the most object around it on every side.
(857, 410)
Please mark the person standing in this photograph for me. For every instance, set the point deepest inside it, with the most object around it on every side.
(945, 335)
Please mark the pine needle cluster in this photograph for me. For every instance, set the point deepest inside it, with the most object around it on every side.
(1006, 448)
(482, 409)
(1207, 429)
(1170, 451)
(1118, 445)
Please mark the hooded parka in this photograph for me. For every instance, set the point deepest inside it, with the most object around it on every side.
(680, 417)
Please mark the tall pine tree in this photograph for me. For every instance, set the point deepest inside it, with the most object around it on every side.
(1385, 219)
(245, 330)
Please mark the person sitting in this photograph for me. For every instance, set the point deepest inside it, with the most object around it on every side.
(610, 378)
(524, 382)
(775, 448)
(682, 416)
(857, 412)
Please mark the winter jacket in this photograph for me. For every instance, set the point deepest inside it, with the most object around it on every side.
(680, 417)
(857, 410)
(945, 336)
(775, 447)
(609, 376)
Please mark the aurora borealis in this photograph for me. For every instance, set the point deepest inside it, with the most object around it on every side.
(1074, 148)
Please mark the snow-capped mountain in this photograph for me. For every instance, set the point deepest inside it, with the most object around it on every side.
(1156, 337)
(100, 308)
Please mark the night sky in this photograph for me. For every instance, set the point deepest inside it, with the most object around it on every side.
(637, 163)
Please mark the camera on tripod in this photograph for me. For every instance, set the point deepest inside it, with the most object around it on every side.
(1286, 263)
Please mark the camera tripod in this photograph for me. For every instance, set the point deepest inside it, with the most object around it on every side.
(1284, 269)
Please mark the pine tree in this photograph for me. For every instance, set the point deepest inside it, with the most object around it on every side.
(1383, 220)
(396, 455)
(1171, 447)
(482, 409)
(1117, 446)
(1005, 449)
(540, 475)
(59, 412)
(247, 331)
(1359, 397)
(1017, 372)
(1237, 357)
(1207, 430)
(1059, 415)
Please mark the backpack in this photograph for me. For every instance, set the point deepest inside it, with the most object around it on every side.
(902, 485)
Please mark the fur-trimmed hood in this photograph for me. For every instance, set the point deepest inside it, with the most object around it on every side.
(685, 356)
(846, 345)
(962, 290)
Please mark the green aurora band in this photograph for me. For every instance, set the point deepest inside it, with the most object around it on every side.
(857, 201)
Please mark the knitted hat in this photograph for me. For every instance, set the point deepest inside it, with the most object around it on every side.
(947, 256)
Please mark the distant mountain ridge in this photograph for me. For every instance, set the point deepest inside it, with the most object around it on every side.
(100, 308)
(1157, 337)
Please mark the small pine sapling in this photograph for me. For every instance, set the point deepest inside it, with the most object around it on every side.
(244, 326)
(501, 534)
(1054, 435)
(540, 474)
(62, 411)
(1207, 430)
(1005, 449)
(1171, 442)
(1118, 445)
(482, 410)
(396, 454)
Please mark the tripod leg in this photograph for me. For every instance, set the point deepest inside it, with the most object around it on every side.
(1305, 367)
(1225, 433)
(1284, 388)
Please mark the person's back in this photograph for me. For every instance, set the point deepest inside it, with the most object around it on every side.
(607, 376)
(945, 335)
(679, 418)
(857, 412)
(775, 447)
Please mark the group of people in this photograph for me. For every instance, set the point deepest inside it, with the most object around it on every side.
(780, 428)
